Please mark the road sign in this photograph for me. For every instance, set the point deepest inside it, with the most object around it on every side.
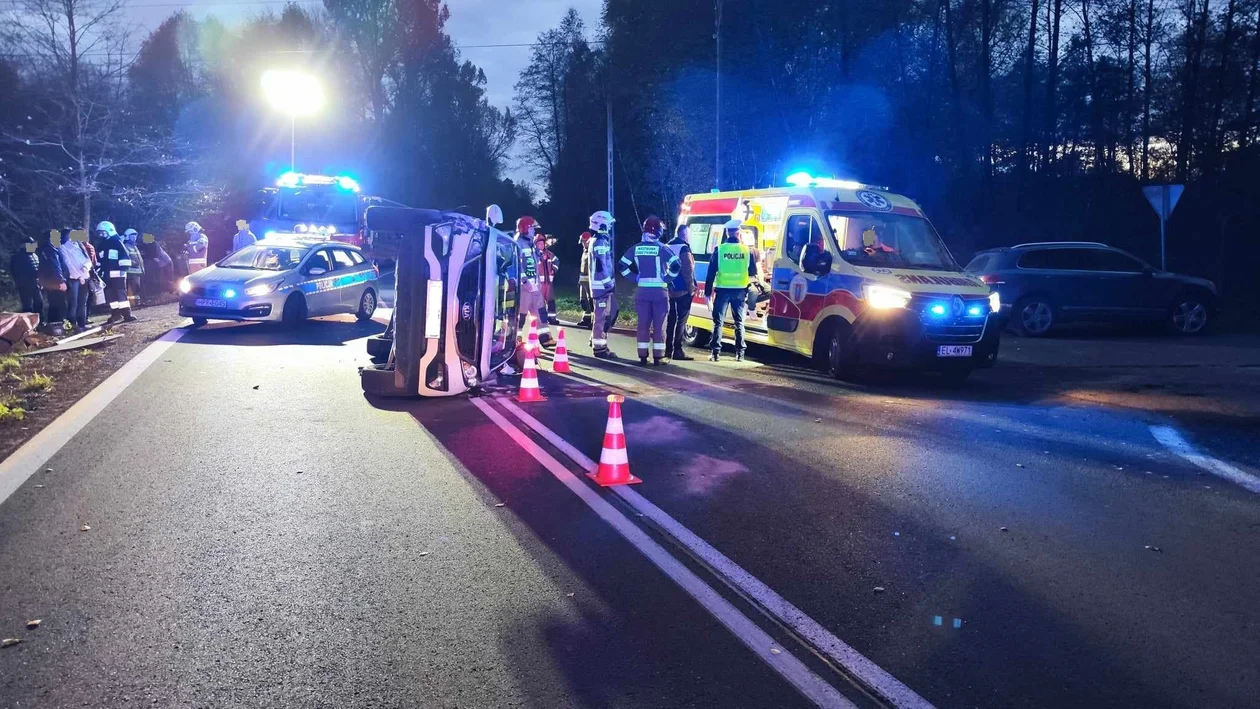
(1164, 199)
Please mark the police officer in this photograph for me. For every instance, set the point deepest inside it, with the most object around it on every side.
(732, 267)
(655, 266)
(600, 271)
(532, 302)
(681, 290)
(114, 264)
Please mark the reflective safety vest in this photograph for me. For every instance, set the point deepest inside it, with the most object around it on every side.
(654, 264)
(529, 260)
(732, 266)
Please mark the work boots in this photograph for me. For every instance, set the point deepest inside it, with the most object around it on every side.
(714, 357)
(682, 356)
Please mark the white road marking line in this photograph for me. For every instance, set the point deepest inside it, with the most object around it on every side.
(34, 453)
(780, 660)
(1172, 440)
(875, 678)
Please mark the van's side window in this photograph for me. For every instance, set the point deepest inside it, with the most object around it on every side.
(801, 230)
(698, 234)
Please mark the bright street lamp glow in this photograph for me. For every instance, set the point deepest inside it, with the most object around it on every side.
(293, 92)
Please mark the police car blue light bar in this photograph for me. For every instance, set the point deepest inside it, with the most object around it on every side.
(297, 179)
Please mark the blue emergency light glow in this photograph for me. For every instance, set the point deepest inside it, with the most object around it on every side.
(973, 310)
(229, 293)
(804, 179)
(800, 179)
(937, 309)
(297, 179)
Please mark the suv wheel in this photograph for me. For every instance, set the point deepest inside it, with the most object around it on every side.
(1189, 315)
(1033, 317)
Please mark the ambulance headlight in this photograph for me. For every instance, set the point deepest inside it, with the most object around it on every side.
(995, 302)
(885, 297)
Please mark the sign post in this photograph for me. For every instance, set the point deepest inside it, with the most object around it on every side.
(1164, 199)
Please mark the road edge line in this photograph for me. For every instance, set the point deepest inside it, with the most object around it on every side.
(787, 665)
(1172, 439)
(871, 675)
(23, 462)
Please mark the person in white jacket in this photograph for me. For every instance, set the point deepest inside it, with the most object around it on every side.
(78, 273)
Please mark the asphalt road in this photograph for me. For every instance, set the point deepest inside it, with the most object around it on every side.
(263, 535)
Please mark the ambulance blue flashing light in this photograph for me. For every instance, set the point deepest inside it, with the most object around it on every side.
(297, 179)
(804, 179)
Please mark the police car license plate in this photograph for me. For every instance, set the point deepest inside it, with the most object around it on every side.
(211, 303)
(953, 351)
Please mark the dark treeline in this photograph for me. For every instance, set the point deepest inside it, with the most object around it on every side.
(1010, 120)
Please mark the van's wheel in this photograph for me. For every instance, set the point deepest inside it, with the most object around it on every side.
(695, 337)
(294, 311)
(1033, 316)
(833, 350)
(367, 305)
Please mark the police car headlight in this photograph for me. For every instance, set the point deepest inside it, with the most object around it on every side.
(995, 302)
(885, 298)
(184, 285)
(260, 289)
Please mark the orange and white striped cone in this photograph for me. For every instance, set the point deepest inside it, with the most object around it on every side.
(614, 466)
(532, 340)
(529, 390)
(560, 361)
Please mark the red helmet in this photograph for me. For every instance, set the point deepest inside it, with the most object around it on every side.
(524, 224)
(652, 225)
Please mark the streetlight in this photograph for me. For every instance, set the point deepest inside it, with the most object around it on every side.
(295, 93)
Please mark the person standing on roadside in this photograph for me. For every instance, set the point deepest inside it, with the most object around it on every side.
(52, 280)
(244, 237)
(654, 266)
(731, 269)
(78, 277)
(548, 264)
(603, 285)
(682, 289)
(135, 272)
(114, 264)
(585, 301)
(532, 302)
(24, 267)
(196, 248)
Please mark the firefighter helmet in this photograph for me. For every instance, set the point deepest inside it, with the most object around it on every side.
(602, 220)
(108, 228)
(526, 225)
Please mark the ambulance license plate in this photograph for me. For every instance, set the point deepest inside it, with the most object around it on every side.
(214, 303)
(953, 351)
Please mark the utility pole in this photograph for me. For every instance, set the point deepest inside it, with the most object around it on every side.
(717, 107)
(612, 228)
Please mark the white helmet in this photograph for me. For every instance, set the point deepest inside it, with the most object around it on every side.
(131, 235)
(192, 226)
(602, 220)
(108, 228)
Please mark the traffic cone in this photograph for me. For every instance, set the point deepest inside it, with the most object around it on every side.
(533, 335)
(560, 362)
(614, 466)
(529, 390)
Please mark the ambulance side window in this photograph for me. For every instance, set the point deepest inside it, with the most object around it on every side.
(801, 230)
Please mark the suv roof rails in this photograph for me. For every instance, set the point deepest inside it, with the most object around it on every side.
(1061, 243)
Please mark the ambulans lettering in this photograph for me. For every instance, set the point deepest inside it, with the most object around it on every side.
(938, 280)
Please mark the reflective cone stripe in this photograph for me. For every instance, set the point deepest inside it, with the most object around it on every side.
(529, 390)
(560, 362)
(614, 465)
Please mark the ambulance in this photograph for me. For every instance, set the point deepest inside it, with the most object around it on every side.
(852, 276)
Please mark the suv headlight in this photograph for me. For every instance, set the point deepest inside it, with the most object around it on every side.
(260, 289)
(995, 302)
(885, 298)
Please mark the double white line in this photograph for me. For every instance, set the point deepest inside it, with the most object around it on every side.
(873, 678)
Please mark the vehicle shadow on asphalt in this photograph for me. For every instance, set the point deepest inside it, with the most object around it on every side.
(625, 636)
(330, 331)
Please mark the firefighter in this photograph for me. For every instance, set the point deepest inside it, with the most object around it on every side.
(531, 291)
(681, 290)
(196, 248)
(135, 272)
(732, 267)
(114, 264)
(548, 264)
(654, 266)
(600, 271)
(585, 301)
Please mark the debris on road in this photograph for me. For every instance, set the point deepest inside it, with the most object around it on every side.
(299, 472)
(501, 504)
(952, 538)
(39, 486)
(879, 589)
(85, 528)
(1019, 465)
(47, 470)
(424, 553)
(569, 595)
(1153, 548)
(896, 534)
(817, 420)
(256, 386)
(775, 651)
(1004, 529)
(33, 623)
(9, 642)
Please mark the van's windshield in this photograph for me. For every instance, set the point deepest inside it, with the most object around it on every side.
(890, 241)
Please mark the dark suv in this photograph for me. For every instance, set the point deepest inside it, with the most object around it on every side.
(1043, 285)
